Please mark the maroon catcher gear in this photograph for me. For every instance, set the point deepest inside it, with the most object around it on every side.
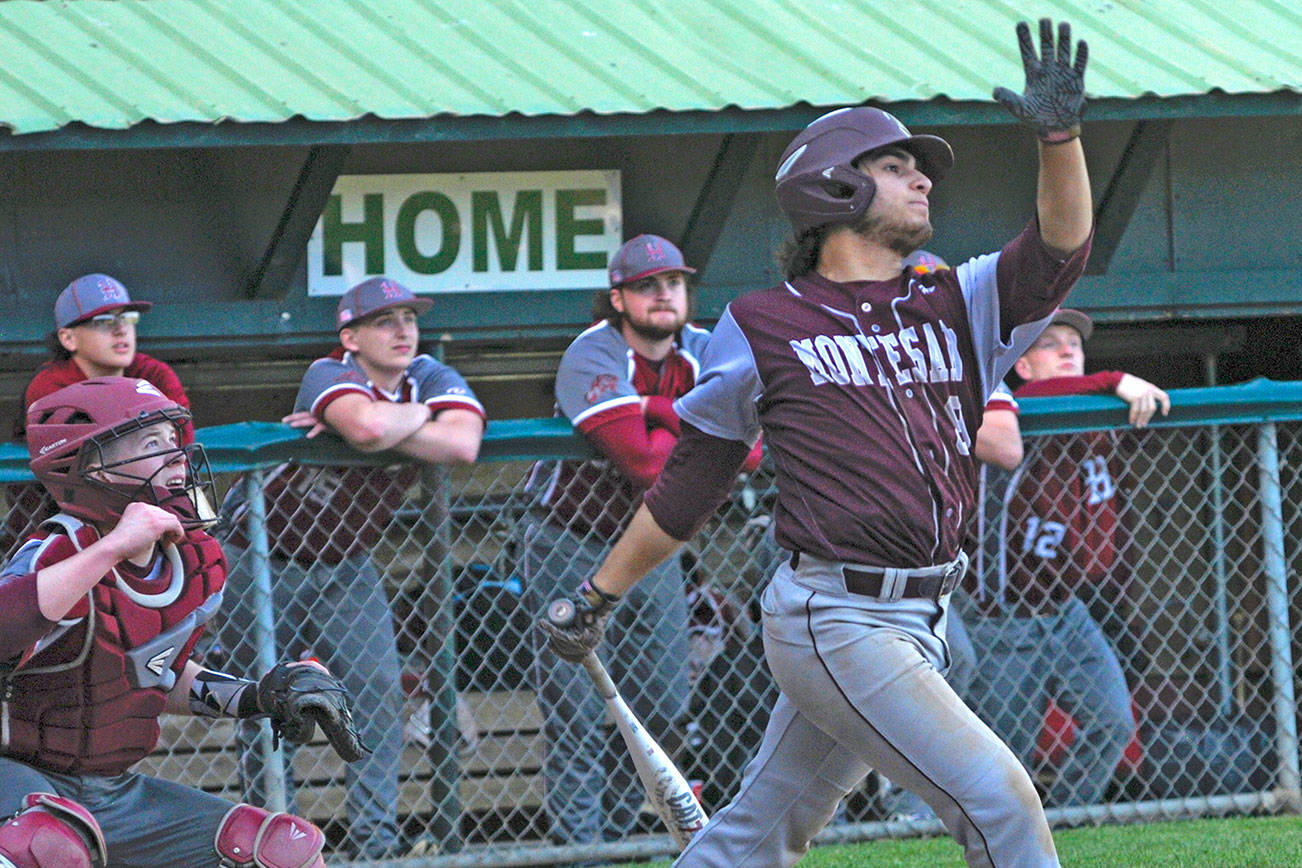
(68, 431)
(817, 182)
(252, 836)
(51, 832)
(87, 700)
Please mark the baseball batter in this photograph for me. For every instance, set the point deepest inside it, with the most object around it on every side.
(868, 383)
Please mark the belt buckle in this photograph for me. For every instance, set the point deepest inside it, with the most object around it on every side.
(953, 575)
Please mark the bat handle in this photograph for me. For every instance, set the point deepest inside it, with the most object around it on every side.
(561, 613)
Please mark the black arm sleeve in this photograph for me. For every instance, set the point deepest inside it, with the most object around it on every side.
(697, 478)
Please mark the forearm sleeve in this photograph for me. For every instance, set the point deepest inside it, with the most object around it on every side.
(697, 478)
(216, 694)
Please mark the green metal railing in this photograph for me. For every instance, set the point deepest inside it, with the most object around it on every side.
(1218, 510)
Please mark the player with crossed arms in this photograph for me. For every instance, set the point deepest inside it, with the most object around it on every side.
(868, 383)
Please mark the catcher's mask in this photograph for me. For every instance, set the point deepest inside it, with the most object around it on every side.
(70, 437)
(817, 181)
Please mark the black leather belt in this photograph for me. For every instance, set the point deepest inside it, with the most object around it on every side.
(890, 583)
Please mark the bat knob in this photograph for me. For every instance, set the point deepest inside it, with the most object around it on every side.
(561, 613)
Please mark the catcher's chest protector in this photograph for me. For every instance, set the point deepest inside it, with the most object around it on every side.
(88, 699)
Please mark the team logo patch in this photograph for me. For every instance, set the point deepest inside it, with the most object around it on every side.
(158, 662)
(602, 385)
(144, 387)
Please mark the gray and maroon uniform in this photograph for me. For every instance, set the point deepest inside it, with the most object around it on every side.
(328, 597)
(869, 395)
(592, 791)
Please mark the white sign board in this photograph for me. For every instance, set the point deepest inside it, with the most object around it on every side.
(468, 232)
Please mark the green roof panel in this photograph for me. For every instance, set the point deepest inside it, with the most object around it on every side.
(112, 64)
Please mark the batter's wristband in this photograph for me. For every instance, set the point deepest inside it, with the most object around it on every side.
(1060, 137)
(596, 598)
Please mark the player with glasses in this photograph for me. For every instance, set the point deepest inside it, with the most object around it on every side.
(111, 322)
(94, 335)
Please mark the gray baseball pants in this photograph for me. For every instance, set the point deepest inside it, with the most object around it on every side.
(861, 689)
(592, 789)
(147, 822)
(1064, 654)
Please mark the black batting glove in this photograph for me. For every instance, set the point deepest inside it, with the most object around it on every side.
(582, 635)
(1054, 99)
(298, 697)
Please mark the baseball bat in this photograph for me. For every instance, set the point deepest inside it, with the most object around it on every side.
(666, 788)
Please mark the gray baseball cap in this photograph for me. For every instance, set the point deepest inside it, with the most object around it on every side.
(374, 295)
(1074, 318)
(644, 256)
(91, 295)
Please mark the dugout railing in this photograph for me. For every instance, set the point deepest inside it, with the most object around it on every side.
(1202, 606)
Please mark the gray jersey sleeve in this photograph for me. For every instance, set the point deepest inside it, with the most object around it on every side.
(977, 277)
(440, 385)
(595, 375)
(723, 402)
(325, 380)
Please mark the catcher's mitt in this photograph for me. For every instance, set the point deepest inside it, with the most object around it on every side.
(298, 697)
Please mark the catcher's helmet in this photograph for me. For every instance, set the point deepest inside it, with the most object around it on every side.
(68, 431)
(817, 182)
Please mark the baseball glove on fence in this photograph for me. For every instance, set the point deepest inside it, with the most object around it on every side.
(299, 697)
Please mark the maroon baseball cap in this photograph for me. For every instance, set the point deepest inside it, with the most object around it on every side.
(1074, 318)
(374, 295)
(91, 295)
(644, 256)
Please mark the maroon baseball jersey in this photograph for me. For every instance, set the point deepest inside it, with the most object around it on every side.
(84, 694)
(327, 513)
(1059, 524)
(600, 382)
(869, 395)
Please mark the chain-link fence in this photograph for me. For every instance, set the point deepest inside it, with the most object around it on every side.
(1151, 677)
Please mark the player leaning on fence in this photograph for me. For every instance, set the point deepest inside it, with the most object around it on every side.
(616, 383)
(99, 615)
(1060, 539)
(868, 382)
(378, 393)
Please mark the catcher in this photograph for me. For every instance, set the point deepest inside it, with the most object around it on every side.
(99, 614)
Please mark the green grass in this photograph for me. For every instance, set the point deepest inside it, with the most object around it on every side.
(1240, 842)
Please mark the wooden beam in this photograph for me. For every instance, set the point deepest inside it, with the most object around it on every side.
(1117, 204)
(270, 280)
(717, 197)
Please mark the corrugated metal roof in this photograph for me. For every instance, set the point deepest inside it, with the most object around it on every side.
(112, 64)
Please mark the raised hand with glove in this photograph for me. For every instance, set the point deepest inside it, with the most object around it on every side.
(1054, 99)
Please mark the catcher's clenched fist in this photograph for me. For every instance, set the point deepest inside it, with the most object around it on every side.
(300, 696)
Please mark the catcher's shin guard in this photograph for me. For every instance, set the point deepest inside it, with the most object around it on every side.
(251, 836)
(50, 831)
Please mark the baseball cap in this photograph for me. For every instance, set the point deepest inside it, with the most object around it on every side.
(644, 256)
(91, 295)
(374, 295)
(924, 262)
(1074, 318)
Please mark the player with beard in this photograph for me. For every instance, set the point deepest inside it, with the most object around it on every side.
(869, 382)
(616, 383)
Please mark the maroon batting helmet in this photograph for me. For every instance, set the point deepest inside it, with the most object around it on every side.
(66, 435)
(817, 182)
